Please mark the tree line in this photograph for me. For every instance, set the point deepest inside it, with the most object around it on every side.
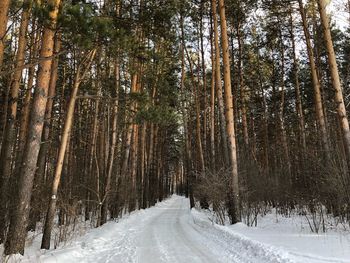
(111, 106)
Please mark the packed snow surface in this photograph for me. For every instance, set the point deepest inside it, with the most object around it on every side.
(171, 232)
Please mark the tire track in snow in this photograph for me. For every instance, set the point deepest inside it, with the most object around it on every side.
(166, 233)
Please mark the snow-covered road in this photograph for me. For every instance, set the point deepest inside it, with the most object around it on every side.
(172, 233)
(169, 236)
(166, 233)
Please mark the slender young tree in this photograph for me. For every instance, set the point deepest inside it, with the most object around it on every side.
(212, 98)
(80, 74)
(113, 145)
(299, 106)
(198, 120)
(242, 87)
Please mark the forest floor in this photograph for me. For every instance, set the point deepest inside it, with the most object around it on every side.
(171, 232)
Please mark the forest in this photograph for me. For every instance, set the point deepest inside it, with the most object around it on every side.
(111, 106)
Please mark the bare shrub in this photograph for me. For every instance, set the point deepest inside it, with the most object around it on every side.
(213, 187)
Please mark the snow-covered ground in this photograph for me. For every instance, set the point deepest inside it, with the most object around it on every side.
(294, 235)
(170, 232)
(291, 237)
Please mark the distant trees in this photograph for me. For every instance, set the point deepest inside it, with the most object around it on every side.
(110, 107)
(282, 105)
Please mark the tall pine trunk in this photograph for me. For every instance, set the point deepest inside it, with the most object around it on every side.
(316, 85)
(234, 203)
(34, 215)
(18, 224)
(218, 84)
(341, 109)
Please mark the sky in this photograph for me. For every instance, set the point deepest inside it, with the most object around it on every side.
(340, 13)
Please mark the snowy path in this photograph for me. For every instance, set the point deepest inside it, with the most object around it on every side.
(165, 233)
(171, 233)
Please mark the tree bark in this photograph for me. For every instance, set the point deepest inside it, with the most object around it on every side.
(48, 112)
(234, 202)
